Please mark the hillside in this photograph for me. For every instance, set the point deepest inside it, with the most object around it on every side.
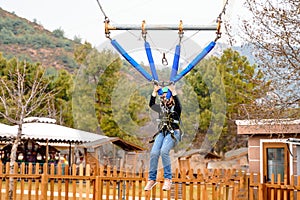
(28, 40)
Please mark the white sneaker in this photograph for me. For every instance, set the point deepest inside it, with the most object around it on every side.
(167, 185)
(150, 185)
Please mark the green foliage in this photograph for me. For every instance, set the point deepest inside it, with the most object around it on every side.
(18, 31)
(68, 61)
(223, 85)
(94, 96)
(53, 95)
(77, 39)
(59, 33)
(62, 81)
(112, 121)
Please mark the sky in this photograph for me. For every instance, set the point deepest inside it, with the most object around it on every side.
(84, 19)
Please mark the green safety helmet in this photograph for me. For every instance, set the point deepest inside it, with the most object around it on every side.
(165, 89)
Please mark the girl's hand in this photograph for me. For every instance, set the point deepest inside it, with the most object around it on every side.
(172, 89)
(155, 89)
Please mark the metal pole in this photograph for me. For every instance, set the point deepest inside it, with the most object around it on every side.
(162, 27)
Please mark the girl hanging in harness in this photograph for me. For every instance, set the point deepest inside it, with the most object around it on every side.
(168, 134)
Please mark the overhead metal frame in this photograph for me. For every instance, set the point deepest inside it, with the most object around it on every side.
(161, 27)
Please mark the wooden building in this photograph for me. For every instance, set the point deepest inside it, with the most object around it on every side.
(41, 137)
(30, 151)
(195, 159)
(122, 154)
(273, 146)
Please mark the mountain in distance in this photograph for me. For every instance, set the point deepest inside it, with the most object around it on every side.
(28, 40)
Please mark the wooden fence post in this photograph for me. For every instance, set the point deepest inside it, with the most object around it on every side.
(1, 174)
(16, 169)
(87, 182)
(59, 181)
(74, 184)
(44, 183)
(37, 172)
(298, 187)
(272, 189)
(52, 170)
(66, 172)
(260, 188)
(291, 187)
(22, 171)
(250, 186)
(97, 195)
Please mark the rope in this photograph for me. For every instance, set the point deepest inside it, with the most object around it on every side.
(166, 51)
(219, 21)
(224, 9)
(105, 16)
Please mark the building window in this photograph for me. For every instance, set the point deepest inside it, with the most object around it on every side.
(275, 159)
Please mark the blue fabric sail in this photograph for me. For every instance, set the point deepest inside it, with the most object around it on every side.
(138, 67)
(205, 51)
(175, 62)
(151, 61)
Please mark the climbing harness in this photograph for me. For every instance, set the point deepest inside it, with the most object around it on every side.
(165, 122)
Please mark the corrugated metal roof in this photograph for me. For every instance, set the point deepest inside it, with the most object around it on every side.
(236, 152)
(6, 132)
(52, 132)
(127, 146)
(203, 152)
(266, 122)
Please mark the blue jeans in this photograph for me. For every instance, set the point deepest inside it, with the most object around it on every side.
(161, 147)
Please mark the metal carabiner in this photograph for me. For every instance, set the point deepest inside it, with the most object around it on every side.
(180, 30)
(164, 60)
(218, 32)
(106, 28)
(144, 32)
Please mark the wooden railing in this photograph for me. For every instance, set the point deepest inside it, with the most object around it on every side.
(41, 182)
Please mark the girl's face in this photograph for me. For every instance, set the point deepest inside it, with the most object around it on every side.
(167, 102)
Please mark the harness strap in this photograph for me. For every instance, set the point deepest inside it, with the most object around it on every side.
(171, 132)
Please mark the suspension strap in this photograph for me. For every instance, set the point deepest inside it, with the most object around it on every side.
(138, 67)
(151, 61)
(194, 62)
(149, 53)
(177, 52)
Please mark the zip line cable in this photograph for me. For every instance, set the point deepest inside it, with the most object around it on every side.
(105, 16)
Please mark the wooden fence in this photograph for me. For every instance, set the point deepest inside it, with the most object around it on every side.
(43, 182)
